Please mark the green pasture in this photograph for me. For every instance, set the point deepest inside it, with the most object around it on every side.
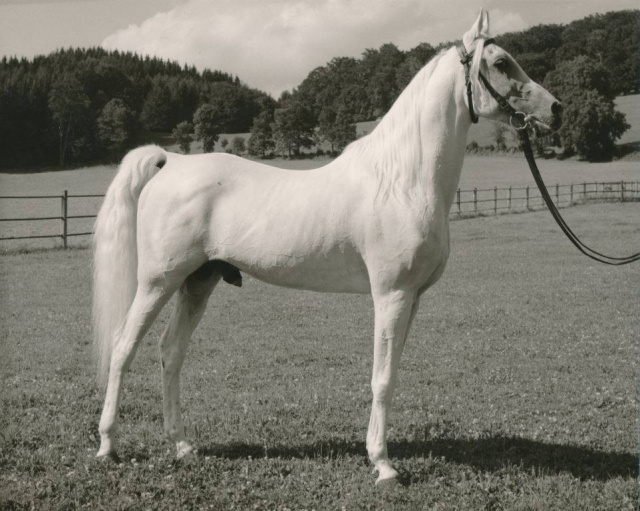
(518, 386)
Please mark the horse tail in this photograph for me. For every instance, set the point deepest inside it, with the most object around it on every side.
(115, 254)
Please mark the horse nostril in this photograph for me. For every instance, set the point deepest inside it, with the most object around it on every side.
(556, 108)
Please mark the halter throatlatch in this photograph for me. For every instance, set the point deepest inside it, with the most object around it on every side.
(521, 122)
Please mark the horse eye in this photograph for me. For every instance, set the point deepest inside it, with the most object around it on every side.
(501, 64)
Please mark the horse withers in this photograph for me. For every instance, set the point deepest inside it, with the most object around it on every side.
(374, 220)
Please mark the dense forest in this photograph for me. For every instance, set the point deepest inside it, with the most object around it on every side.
(78, 106)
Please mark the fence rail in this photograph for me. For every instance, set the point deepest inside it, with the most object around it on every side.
(467, 203)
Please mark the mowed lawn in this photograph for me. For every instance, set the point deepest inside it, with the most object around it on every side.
(518, 386)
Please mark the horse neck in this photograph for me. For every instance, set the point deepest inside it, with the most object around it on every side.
(418, 148)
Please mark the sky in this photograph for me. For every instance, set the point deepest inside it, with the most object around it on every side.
(271, 45)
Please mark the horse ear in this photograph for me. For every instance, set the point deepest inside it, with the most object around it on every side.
(479, 29)
(485, 24)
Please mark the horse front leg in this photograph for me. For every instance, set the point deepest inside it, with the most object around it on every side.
(394, 312)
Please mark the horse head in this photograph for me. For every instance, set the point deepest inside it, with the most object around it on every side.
(515, 98)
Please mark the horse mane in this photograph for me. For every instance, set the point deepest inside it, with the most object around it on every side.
(392, 149)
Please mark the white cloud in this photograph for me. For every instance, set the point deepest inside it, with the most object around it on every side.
(273, 45)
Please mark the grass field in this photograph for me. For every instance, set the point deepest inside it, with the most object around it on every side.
(518, 387)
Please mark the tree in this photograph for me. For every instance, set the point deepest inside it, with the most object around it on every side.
(380, 68)
(157, 108)
(116, 127)
(70, 108)
(181, 134)
(208, 124)
(337, 128)
(261, 139)
(499, 130)
(292, 127)
(591, 125)
(239, 145)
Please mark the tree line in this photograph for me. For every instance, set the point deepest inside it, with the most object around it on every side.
(78, 106)
(586, 63)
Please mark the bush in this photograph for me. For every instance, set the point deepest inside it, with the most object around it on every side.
(238, 144)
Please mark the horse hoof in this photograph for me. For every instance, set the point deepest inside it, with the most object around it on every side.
(388, 483)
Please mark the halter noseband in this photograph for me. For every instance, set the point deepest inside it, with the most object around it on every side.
(521, 119)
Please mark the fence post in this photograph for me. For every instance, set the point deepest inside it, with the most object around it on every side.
(458, 201)
(64, 210)
(584, 190)
(571, 196)
(557, 195)
(495, 200)
(475, 200)
(528, 197)
(622, 191)
(509, 198)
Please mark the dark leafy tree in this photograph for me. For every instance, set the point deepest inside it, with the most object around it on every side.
(591, 124)
(337, 128)
(117, 127)
(70, 108)
(379, 67)
(182, 135)
(261, 139)
(208, 122)
(157, 108)
(292, 128)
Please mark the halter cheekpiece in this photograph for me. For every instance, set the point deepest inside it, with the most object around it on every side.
(518, 120)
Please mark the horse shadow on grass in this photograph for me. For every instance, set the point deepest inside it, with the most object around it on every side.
(491, 454)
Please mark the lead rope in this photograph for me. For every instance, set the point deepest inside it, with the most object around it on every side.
(589, 252)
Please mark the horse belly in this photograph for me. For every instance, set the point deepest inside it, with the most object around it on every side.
(295, 249)
(330, 274)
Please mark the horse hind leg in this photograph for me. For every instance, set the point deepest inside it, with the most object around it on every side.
(190, 305)
(146, 305)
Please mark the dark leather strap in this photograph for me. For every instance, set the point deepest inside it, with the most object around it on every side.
(589, 252)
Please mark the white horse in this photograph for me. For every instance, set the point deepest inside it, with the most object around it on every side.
(375, 220)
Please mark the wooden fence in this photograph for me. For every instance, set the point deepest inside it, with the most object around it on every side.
(467, 203)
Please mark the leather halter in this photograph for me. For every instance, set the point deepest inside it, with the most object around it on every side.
(520, 118)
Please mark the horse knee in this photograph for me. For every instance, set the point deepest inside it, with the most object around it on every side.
(381, 390)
